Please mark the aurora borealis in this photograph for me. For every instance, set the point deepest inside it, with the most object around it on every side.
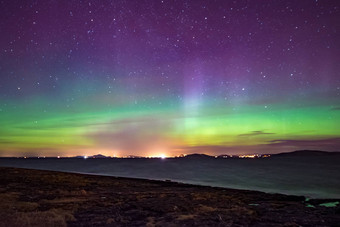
(168, 77)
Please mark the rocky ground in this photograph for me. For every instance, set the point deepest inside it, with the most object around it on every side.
(47, 198)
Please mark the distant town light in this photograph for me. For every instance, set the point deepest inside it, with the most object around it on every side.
(162, 156)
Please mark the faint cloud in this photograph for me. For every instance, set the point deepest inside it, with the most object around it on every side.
(256, 133)
(134, 136)
(273, 147)
(329, 144)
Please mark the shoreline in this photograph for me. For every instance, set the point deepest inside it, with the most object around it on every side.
(274, 175)
(75, 199)
(312, 196)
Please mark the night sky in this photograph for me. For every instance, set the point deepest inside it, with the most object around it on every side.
(168, 77)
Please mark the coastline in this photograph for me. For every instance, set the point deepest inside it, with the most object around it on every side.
(192, 183)
(315, 177)
(42, 197)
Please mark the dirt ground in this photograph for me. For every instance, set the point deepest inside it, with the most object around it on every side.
(47, 198)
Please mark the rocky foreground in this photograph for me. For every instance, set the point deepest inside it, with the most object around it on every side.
(47, 198)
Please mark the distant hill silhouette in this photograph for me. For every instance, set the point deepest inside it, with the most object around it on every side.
(99, 156)
(306, 153)
(298, 153)
(195, 156)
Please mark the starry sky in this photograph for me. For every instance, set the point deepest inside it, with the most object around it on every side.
(151, 77)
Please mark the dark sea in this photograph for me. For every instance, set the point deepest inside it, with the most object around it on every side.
(312, 176)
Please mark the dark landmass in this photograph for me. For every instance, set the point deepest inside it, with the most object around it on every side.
(197, 156)
(92, 156)
(98, 156)
(306, 153)
(48, 198)
(300, 153)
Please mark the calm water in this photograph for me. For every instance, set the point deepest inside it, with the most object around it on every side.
(317, 177)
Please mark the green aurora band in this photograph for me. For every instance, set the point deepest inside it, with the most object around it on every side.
(133, 130)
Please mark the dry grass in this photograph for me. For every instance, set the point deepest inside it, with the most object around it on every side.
(14, 212)
(52, 218)
(185, 217)
(10, 202)
(43, 198)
